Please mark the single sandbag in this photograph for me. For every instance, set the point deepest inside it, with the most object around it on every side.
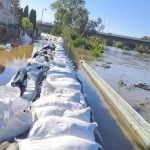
(55, 126)
(66, 142)
(16, 125)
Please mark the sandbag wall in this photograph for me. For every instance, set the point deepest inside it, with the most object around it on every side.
(58, 117)
(16, 97)
(61, 113)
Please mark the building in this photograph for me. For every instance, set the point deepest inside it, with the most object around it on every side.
(6, 16)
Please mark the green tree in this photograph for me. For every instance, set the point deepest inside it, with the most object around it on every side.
(73, 24)
(32, 18)
(81, 19)
(26, 11)
(56, 30)
(16, 8)
(27, 25)
(70, 5)
(94, 26)
(71, 13)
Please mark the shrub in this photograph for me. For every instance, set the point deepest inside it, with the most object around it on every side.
(97, 50)
(79, 42)
(142, 49)
(56, 30)
(119, 45)
(26, 24)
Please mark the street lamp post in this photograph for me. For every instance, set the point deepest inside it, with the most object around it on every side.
(42, 17)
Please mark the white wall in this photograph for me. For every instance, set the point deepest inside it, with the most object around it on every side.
(5, 15)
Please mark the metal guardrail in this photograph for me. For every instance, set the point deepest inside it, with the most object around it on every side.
(136, 123)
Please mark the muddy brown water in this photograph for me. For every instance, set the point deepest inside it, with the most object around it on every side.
(11, 61)
(127, 68)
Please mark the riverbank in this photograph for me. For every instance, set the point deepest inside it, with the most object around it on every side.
(77, 54)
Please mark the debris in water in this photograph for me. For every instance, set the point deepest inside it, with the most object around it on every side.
(106, 65)
(142, 86)
(121, 83)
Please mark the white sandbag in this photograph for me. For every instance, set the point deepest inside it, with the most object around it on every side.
(4, 112)
(60, 41)
(61, 70)
(57, 126)
(18, 105)
(83, 114)
(64, 63)
(9, 92)
(58, 143)
(10, 108)
(47, 111)
(57, 74)
(41, 112)
(46, 89)
(70, 83)
(16, 125)
(7, 96)
(57, 100)
(66, 84)
(74, 95)
(61, 77)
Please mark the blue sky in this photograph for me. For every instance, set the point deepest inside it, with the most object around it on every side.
(125, 17)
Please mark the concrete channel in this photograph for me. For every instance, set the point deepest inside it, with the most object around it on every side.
(132, 124)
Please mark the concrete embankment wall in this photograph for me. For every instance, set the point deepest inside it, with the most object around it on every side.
(138, 129)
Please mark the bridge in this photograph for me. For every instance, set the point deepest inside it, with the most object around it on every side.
(125, 39)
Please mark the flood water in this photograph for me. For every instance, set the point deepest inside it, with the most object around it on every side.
(127, 68)
(11, 61)
(112, 137)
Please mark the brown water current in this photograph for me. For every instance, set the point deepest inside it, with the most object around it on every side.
(11, 61)
(123, 70)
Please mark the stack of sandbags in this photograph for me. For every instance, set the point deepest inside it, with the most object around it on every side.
(62, 116)
(16, 100)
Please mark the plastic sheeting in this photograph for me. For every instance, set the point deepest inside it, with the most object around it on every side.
(26, 40)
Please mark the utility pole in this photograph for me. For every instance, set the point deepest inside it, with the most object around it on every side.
(42, 17)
